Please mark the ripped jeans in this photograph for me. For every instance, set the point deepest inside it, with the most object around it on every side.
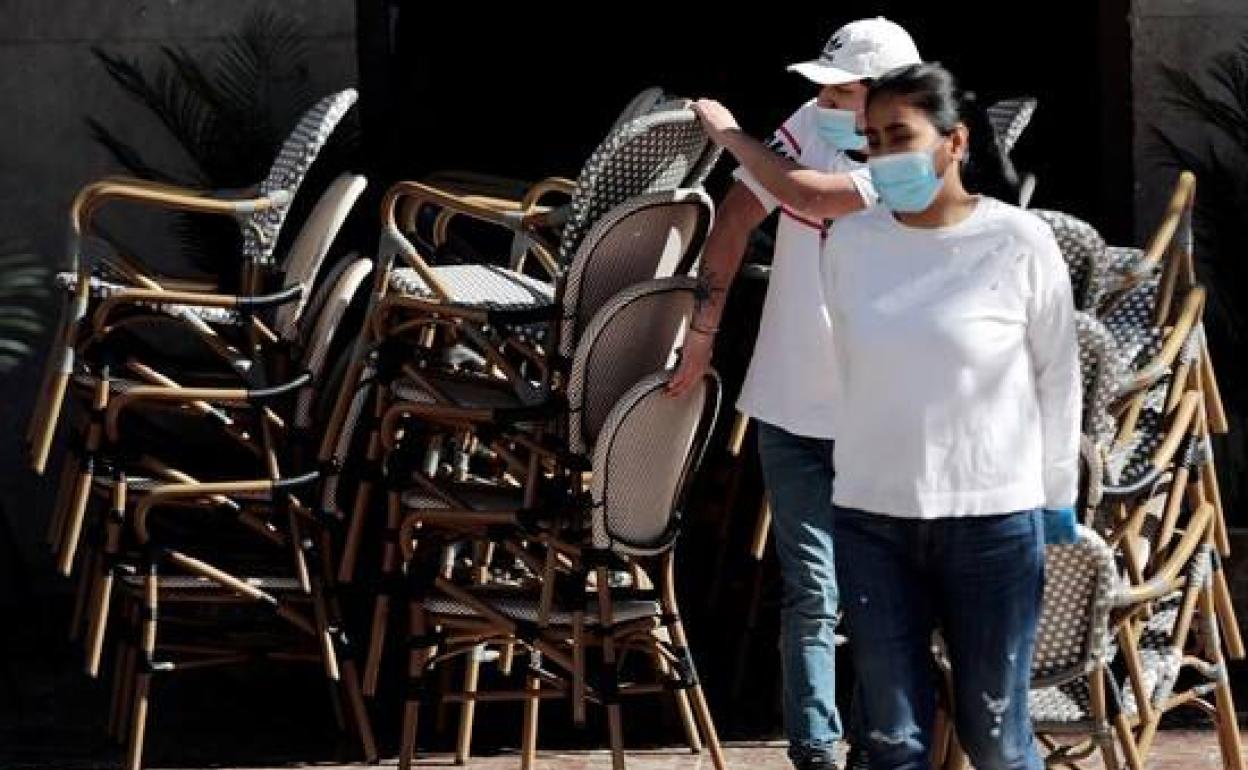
(980, 580)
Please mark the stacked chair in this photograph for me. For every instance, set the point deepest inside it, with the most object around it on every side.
(503, 404)
(1137, 619)
(185, 511)
(503, 407)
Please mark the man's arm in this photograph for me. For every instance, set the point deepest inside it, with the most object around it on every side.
(739, 213)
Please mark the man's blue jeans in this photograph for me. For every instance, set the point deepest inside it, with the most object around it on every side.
(798, 473)
(980, 580)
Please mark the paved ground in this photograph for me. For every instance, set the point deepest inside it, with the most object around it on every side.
(1175, 750)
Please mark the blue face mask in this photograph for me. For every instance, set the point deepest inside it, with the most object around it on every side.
(839, 128)
(906, 181)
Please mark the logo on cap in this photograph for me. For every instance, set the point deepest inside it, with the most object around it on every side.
(834, 44)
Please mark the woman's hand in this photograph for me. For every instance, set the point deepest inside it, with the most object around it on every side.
(716, 119)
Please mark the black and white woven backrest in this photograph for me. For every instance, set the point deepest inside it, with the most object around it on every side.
(1072, 635)
(646, 101)
(710, 156)
(1083, 250)
(652, 153)
(631, 336)
(1009, 118)
(650, 236)
(1129, 317)
(1104, 377)
(296, 156)
(645, 456)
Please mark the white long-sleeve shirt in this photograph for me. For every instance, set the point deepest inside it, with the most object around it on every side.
(958, 371)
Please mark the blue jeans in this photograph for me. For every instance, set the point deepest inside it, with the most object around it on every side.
(798, 474)
(980, 581)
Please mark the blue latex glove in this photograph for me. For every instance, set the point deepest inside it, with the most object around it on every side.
(1060, 526)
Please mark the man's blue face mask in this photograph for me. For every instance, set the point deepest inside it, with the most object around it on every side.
(906, 181)
(839, 128)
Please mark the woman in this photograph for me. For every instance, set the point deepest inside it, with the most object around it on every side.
(957, 403)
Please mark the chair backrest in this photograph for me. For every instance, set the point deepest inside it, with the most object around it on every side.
(643, 462)
(1083, 250)
(649, 236)
(1104, 377)
(652, 153)
(643, 103)
(705, 164)
(1009, 118)
(331, 303)
(1072, 635)
(312, 244)
(631, 336)
(1129, 317)
(260, 230)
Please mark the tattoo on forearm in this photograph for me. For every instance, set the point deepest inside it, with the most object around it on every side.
(709, 294)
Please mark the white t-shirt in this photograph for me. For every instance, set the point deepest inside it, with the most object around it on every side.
(789, 380)
(958, 389)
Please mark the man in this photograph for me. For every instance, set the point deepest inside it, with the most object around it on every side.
(786, 387)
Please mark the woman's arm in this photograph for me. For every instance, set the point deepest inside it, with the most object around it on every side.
(1055, 361)
(816, 193)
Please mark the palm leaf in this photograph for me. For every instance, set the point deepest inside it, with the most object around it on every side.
(23, 294)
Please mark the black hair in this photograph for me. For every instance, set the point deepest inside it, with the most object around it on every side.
(932, 88)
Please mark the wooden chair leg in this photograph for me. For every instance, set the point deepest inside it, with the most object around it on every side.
(468, 708)
(64, 487)
(104, 578)
(683, 707)
(147, 660)
(76, 514)
(697, 699)
(363, 496)
(615, 726)
(532, 705)
(417, 657)
(381, 605)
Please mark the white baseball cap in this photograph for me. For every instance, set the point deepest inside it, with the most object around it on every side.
(861, 49)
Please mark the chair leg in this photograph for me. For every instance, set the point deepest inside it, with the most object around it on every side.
(105, 575)
(350, 683)
(468, 708)
(762, 527)
(955, 756)
(349, 677)
(1224, 700)
(117, 691)
(615, 727)
(681, 696)
(77, 511)
(941, 733)
(125, 706)
(1126, 739)
(698, 700)
(381, 605)
(65, 485)
(49, 417)
(363, 496)
(532, 704)
(416, 659)
(83, 593)
(143, 683)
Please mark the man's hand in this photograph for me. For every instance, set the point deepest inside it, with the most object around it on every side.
(716, 119)
(695, 359)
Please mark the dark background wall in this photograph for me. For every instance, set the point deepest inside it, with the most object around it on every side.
(528, 95)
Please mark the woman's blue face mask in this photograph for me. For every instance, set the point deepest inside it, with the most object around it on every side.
(906, 181)
(839, 128)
